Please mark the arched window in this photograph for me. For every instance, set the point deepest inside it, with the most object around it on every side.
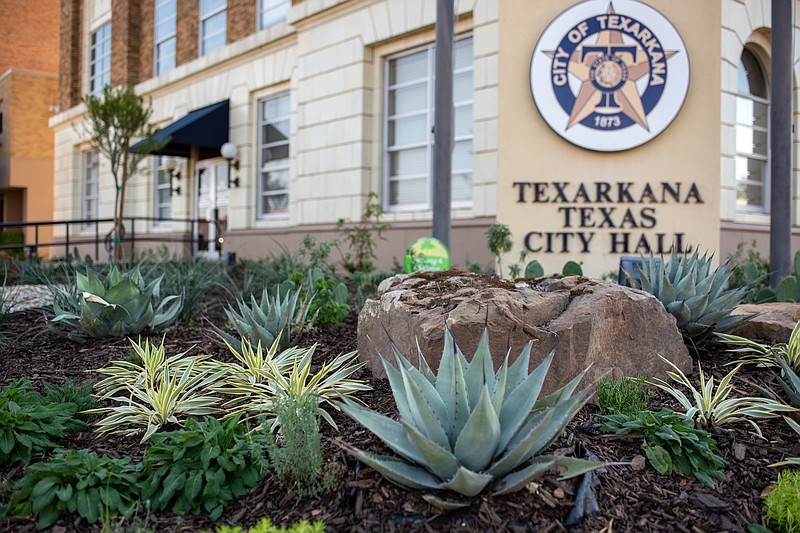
(752, 136)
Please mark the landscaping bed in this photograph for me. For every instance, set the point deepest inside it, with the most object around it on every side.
(631, 495)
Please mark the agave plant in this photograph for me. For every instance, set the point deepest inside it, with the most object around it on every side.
(274, 318)
(710, 408)
(121, 304)
(694, 294)
(468, 427)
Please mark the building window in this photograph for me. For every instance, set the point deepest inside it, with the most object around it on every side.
(271, 12)
(162, 197)
(212, 25)
(409, 123)
(164, 37)
(273, 156)
(91, 187)
(100, 59)
(752, 136)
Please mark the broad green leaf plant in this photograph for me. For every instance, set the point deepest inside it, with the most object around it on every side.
(468, 427)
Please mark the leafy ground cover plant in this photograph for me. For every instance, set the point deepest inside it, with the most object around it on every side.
(265, 525)
(69, 392)
(330, 302)
(710, 408)
(626, 396)
(296, 457)
(27, 425)
(76, 481)
(468, 427)
(202, 467)
(694, 294)
(119, 304)
(276, 317)
(671, 443)
(782, 505)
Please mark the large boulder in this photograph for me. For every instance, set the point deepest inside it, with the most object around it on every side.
(617, 330)
(772, 322)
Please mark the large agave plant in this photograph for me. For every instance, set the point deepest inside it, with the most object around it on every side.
(274, 318)
(468, 427)
(695, 295)
(121, 304)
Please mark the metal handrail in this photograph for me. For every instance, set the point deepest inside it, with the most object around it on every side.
(86, 224)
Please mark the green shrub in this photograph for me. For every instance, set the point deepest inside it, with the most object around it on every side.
(782, 506)
(627, 396)
(265, 525)
(76, 481)
(298, 462)
(201, 467)
(27, 424)
(671, 443)
(330, 302)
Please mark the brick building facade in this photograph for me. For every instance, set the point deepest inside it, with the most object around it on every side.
(330, 101)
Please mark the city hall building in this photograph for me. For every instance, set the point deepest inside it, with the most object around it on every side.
(594, 129)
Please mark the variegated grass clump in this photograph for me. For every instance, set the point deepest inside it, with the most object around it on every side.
(467, 427)
(264, 378)
(159, 391)
(711, 408)
(753, 352)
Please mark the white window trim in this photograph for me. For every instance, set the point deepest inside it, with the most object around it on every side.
(431, 59)
(205, 17)
(173, 35)
(270, 5)
(269, 167)
(95, 90)
(161, 170)
(86, 163)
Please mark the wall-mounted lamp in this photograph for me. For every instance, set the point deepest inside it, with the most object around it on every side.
(171, 165)
(229, 151)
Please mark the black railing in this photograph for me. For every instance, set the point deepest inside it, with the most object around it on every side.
(71, 238)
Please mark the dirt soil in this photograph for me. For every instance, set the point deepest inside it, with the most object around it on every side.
(631, 495)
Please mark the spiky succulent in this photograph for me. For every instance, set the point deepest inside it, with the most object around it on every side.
(120, 304)
(274, 318)
(694, 294)
(468, 427)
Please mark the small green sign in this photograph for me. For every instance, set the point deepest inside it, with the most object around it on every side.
(426, 253)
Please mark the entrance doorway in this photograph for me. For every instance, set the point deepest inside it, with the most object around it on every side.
(212, 203)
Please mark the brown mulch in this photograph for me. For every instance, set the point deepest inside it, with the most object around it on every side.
(631, 495)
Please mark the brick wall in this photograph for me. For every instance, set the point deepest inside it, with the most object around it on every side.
(146, 38)
(29, 132)
(30, 35)
(69, 68)
(241, 19)
(125, 46)
(186, 38)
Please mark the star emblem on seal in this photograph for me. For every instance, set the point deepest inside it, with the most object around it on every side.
(612, 72)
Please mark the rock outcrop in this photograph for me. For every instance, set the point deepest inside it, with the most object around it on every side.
(617, 330)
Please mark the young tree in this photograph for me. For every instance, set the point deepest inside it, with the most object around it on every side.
(116, 118)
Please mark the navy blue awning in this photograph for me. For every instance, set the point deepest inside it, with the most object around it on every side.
(206, 128)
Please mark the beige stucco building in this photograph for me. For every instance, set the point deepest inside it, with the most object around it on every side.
(329, 101)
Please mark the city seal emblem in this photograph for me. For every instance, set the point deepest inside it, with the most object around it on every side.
(609, 76)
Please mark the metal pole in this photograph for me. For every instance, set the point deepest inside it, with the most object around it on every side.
(780, 142)
(443, 121)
